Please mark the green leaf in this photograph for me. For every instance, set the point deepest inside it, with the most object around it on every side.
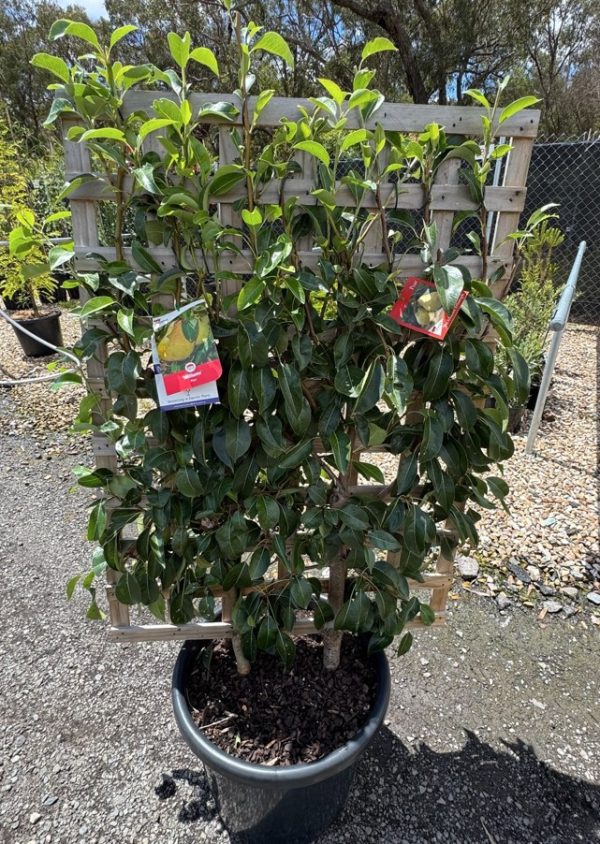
(479, 97)
(449, 283)
(144, 259)
(500, 317)
(286, 649)
(354, 614)
(433, 437)
(322, 613)
(259, 563)
(383, 540)
(369, 471)
(145, 177)
(53, 65)
(301, 592)
(466, 412)
(427, 614)
(250, 292)
(64, 27)
(341, 446)
(238, 390)
(95, 304)
(315, 149)
(520, 376)
(226, 178)
(407, 474)
(296, 455)
(354, 517)
(153, 125)
(267, 633)
(371, 388)
(127, 590)
(405, 643)
(179, 48)
(188, 482)
(71, 584)
(377, 45)
(272, 42)
(238, 437)
(334, 90)
(252, 218)
(59, 255)
(204, 56)
(109, 133)
(439, 372)
(232, 537)
(267, 511)
(419, 530)
(237, 577)
(353, 138)
(515, 107)
(120, 33)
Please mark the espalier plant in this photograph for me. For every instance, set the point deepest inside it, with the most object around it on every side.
(314, 368)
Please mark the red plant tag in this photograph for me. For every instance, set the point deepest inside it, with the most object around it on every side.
(420, 309)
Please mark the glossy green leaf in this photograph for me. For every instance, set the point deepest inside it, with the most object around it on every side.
(272, 42)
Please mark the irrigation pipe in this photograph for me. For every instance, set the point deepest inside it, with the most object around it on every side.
(37, 378)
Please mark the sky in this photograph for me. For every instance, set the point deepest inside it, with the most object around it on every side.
(94, 8)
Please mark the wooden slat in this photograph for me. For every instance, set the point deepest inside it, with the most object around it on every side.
(215, 630)
(515, 175)
(407, 264)
(405, 117)
(444, 196)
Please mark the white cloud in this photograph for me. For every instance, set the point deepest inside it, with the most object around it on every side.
(94, 8)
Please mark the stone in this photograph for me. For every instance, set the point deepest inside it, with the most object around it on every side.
(34, 818)
(547, 591)
(594, 598)
(568, 611)
(549, 521)
(552, 606)
(534, 573)
(503, 601)
(570, 592)
(518, 571)
(468, 567)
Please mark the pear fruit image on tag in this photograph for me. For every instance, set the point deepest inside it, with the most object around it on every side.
(420, 309)
(185, 357)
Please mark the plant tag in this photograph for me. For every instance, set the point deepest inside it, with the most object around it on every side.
(420, 309)
(185, 358)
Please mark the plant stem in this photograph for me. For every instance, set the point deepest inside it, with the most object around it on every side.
(243, 664)
(332, 639)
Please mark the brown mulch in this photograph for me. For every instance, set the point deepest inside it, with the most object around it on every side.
(278, 717)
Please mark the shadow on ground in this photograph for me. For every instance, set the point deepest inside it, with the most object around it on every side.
(403, 795)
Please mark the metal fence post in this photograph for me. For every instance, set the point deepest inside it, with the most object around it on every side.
(557, 326)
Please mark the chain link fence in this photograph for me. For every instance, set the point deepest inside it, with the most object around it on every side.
(567, 171)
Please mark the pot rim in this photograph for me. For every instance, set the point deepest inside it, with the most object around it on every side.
(294, 776)
(54, 313)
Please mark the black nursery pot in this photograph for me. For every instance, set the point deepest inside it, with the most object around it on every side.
(261, 805)
(46, 327)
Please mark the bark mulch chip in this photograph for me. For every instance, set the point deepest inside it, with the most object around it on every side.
(279, 717)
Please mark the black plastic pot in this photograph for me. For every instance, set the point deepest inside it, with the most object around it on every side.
(534, 391)
(46, 327)
(261, 805)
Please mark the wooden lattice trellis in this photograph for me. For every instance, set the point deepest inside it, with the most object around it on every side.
(448, 197)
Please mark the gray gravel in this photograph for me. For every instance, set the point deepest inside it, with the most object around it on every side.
(493, 732)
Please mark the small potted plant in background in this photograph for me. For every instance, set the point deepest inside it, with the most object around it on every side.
(255, 500)
(532, 303)
(34, 258)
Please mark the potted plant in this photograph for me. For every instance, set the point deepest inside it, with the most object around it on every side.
(532, 303)
(30, 280)
(254, 501)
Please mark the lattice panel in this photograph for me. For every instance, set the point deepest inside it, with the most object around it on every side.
(448, 197)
